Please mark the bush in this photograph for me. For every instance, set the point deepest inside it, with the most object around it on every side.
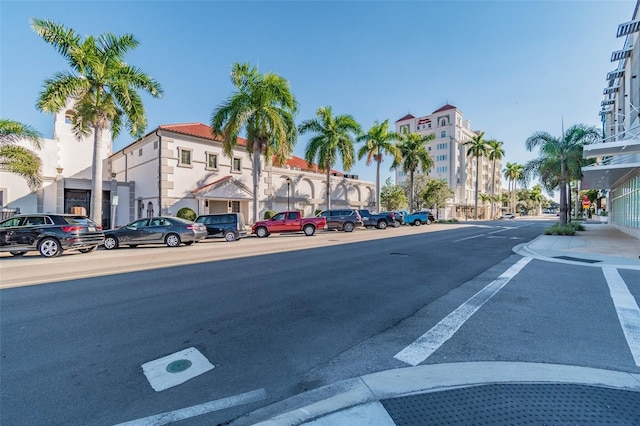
(186, 213)
(269, 214)
(568, 229)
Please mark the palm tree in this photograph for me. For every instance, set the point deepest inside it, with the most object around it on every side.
(477, 147)
(414, 154)
(102, 87)
(569, 146)
(265, 108)
(513, 172)
(536, 196)
(377, 142)
(17, 159)
(495, 152)
(334, 136)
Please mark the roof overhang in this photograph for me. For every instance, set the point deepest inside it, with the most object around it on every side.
(628, 28)
(621, 54)
(615, 74)
(607, 177)
(629, 145)
(611, 89)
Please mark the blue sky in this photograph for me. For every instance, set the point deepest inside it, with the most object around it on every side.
(512, 67)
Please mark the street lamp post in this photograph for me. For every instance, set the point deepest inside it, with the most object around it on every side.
(288, 193)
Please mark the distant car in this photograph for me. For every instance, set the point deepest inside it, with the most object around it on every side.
(171, 231)
(398, 216)
(507, 216)
(49, 234)
(342, 219)
(230, 226)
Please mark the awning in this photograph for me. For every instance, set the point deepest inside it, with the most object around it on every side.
(628, 28)
(607, 177)
(621, 54)
(629, 145)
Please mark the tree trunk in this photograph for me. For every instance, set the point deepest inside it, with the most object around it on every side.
(563, 192)
(328, 194)
(256, 178)
(378, 161)
(493, 191)
(96, 177)
(475, 213)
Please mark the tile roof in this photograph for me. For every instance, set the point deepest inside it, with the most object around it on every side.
(201, 130)
(444, 108)
(406, 117)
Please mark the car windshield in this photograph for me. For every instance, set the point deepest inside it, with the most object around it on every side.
(79, 220)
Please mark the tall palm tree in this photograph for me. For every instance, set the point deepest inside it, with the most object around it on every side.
(536, 196)
(377, 142)
(18, 159)
(476, 147)
(568, 146)
(334, 135)
(265, 108)
(513, 172)
(495, 152)
(414, 154)
(103, 89)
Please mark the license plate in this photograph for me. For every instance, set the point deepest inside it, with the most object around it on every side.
(92, 229)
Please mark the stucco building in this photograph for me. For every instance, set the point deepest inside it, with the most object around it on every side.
(451, 162)
(616, 172)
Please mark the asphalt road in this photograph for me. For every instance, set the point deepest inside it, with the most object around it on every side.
(279, 316)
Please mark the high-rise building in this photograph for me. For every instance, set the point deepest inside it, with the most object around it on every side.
(451, 163)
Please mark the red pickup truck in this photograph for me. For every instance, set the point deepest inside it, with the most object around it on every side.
(288, 222)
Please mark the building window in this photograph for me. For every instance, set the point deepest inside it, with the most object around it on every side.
(405, 128)
(441, 169)
(212, 161)
(2, 200)
(140, 152)
(443, 145)
(155, 144)
(443, 121)
(237, 165)
(149, 209)
(443, 134)
(441, 157)
(140, 208)
(184, 157)
(68, 117)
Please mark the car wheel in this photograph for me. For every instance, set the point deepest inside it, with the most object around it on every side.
(348, 227)
(309, 230)
(88, 249)
(382, 224)
(50, 247)
(262, 232)
(111, 243)
(18, 253)
(396, 224)
(417, 222)
(229, 236)
(172, 240)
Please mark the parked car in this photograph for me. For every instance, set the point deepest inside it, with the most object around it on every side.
(507, 216)
(418, 218)
(379, 220)
(171, 231)
(231, 226)
(288, 222)
(398, 216)
(342, 219)
(49, 234)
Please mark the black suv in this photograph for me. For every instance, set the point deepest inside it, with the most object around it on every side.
(342, 219)
(50, 234)
(231, 226)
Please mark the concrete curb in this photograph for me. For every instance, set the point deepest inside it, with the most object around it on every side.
(429, 378)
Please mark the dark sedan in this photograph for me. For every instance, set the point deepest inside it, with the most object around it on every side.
(49, 234)
(171, 231)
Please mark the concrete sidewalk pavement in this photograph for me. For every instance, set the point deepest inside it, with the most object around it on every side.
(484, 392)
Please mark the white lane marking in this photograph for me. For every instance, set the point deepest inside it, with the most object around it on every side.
(429, 342)
(198, 410)
(627, 310)
(468, 238)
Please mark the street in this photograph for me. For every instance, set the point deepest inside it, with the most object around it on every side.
(285, 314)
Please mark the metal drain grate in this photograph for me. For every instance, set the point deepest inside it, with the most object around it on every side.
(517, 404)
(577, 259)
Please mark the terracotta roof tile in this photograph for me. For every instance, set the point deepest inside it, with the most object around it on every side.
(211, 184)
(406, 117)
(444, 108)
(196, 129)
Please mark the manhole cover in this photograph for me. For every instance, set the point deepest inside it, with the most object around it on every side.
(178, 366)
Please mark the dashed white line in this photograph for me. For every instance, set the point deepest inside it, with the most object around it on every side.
(198, 410)
(429, 342)
(627, 310)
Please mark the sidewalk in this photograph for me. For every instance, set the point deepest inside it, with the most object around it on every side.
(484, 392)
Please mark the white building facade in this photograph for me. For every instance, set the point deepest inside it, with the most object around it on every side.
(616, 172)
(172, 167)
(451, 162)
